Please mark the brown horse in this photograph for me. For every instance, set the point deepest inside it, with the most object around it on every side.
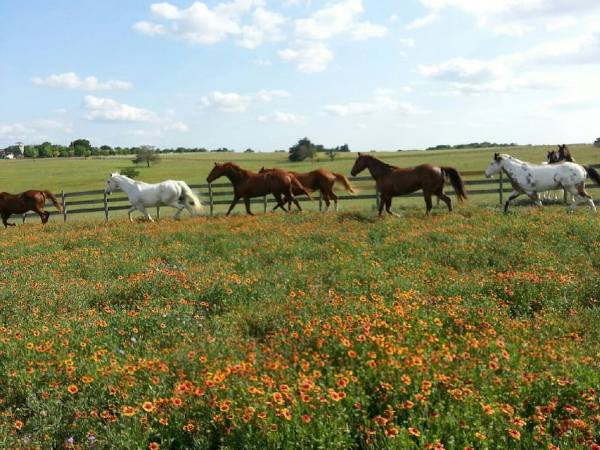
(393, 181)
(248, 184)
(26, 201)
(319, 180)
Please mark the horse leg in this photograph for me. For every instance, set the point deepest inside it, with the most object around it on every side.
(388, 206)
(5, 217)
(44, 215)
(179, 209)
(247, 203)
(535, 199)
(236, 198)
(428, 203)
(445, 199)
(513, 195)
(330, 194)
(280, 202)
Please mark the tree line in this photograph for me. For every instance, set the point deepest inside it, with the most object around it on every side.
(472, 145)
(300, 151)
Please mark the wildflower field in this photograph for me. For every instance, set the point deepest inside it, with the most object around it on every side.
(303, 331)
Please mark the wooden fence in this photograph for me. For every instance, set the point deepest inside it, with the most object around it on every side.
(215, 194)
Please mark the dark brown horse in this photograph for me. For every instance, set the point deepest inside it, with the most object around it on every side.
(319, 180)
(248, 184)
(26, 201)
(393, 181)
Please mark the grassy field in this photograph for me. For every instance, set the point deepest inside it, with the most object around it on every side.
(74, 175)
(77, 175)
(471, 330)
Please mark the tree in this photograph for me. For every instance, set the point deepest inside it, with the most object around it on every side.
(147, 154)
(302, 150)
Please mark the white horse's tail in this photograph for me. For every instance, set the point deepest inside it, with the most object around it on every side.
(190, 194)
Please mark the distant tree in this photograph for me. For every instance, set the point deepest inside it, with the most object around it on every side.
(130, 172)
(45, 150)
(30, 151)
(344, 148)
(302, 150)
(146, 154)
(248, 150)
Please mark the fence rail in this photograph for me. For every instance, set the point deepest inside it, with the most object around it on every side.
(216, 194)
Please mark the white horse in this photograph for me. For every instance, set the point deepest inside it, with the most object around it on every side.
(530, 179)
(143, 195)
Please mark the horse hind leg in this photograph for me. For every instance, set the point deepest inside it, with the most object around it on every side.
(447, 200)
(5, 217)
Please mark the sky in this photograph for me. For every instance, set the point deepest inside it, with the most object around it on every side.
(381, 75)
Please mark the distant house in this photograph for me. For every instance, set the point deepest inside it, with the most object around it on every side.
(4, 155)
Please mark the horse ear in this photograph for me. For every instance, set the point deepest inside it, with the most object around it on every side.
(359, 154)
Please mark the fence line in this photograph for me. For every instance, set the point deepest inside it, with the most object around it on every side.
(98, 201)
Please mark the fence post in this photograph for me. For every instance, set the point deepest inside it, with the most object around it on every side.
(64, 205)
(501, 187)
(210, 198)
(106, 205)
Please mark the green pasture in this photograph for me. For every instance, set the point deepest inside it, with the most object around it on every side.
(74, 175)
(82, 175)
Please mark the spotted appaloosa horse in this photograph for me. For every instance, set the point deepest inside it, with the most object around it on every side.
(31, 200)
(529, 179)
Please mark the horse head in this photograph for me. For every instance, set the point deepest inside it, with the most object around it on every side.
(495, 166)
(564, 154)
(552, 157)
(112, 183)
(215, 173)
(359, 165)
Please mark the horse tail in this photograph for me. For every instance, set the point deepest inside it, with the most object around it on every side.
(593, 174)
(300, 187)
(188, 191)
(457, 182)
(51, 196)
(341, 177)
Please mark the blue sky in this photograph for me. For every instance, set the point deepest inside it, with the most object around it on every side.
(262, 74)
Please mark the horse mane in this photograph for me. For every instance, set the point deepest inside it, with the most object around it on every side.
(233, 166)
(379, 161)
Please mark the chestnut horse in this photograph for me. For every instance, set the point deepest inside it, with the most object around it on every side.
(248, 184)
(319, 180)
(26, 201)
(393, 181)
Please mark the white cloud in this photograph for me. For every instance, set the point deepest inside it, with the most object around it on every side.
(282, 117)
(177, 126)
(462, 69)
(378, 104)
(15, 131)
(338, 19)
(202, 25)
(71, 80)
(516, 17)
(105, 109)
(232, 102)
(266, 27)
(310, 57)
(423, 21)
(368, 30)
(47, 124)
(407, 42)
